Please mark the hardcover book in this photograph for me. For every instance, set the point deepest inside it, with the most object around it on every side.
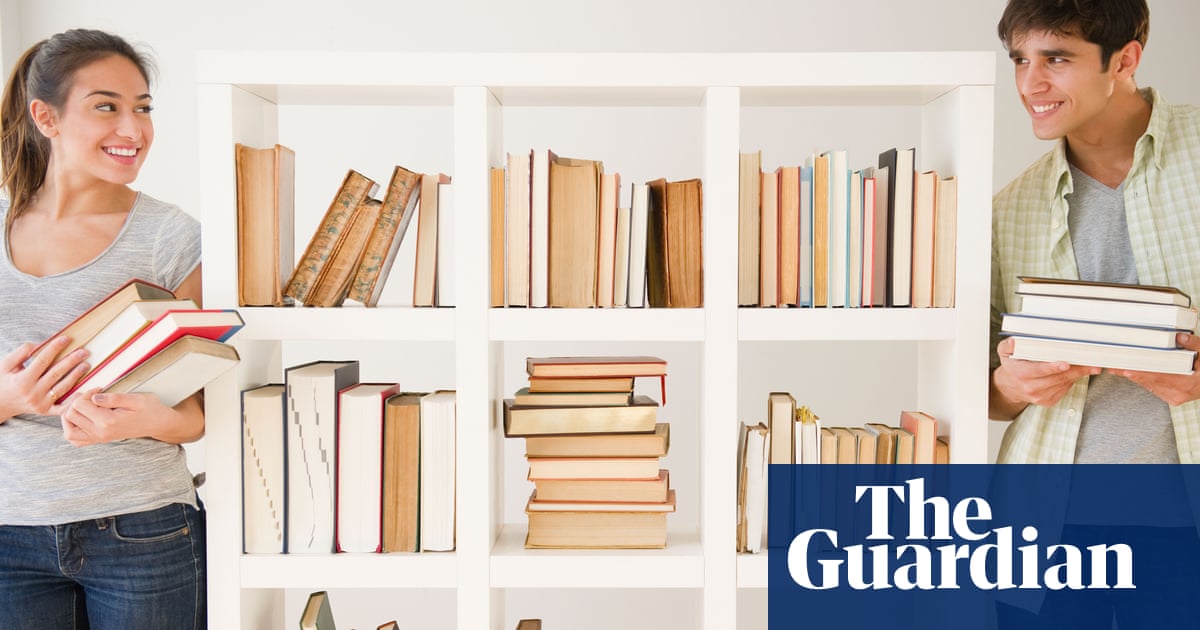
(179, 370)
(266, 208)
(523, 421)
(355, 188)
(396, 211)
(264, 476)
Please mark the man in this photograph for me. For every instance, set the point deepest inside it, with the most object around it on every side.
(1114, 201)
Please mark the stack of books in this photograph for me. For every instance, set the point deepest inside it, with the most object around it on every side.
(142, 339)
(1108, 325)
(594, 450)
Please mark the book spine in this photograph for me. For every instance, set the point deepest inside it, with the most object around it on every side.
(355, 188)
(333, 282)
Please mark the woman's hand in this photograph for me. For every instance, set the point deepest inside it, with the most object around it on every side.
(95, 418)
(32, 384)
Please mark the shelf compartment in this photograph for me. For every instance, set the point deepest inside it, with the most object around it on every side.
(752, 570)
(397, 570)
(680, 565)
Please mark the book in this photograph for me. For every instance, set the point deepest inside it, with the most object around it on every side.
(749, 191)
(606, 249)
(945, 242)
(884, 437)
(539, 227)
(866, 445)
(653, 490)
(215, 324)
(574, 231)
(595, 366)
(821, 227)
(1122, 334)
(829, 445)
(598, 530)
(437, 471)
(649, 444)
(868, 237)
(390, 625)
(180, 369)
(656, 244)
(924, 429)
(516, 229)
(536, 504)
(807, 436)
(425, 269)
(753, 456)
(924, 221)
(355, 188)
(882, 246)
(768, 243)
(336, 276)
(126, 324)
(901, 171)
(1111, 311)
(1172, 361)
(592, 467)
(789, 235)
(263, 469)
(496, 237)
(529, 624)
(312, 398)
(621, 263)
(520, 421)
(1034, 285)
(317, 615)
(580, 384)
(839, 226)
(805, 275)
(266, 215)
(781, 410)
(359, 494)
(847, 445)
(93, 321)
(570, 399)
(941, 450)
(401, 472)
(684, 235)
(639, 209)
(854, 243)
(395, 213)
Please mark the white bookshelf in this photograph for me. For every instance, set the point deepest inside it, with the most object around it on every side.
(645, 116)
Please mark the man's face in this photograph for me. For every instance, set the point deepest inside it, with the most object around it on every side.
(1062, 82)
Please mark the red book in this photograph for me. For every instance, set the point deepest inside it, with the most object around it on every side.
(215, 324)
(924, 429)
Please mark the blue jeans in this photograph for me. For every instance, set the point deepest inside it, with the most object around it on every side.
(138, 571)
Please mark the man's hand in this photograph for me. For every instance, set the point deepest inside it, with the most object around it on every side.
(1018, 383)
(1173, 389)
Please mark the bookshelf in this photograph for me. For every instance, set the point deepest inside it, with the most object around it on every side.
(646, 116)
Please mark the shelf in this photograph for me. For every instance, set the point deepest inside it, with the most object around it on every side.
(846, 324)
(348, 323)
(680, 565)
(752, 570)
(343, 570)
(595, 324)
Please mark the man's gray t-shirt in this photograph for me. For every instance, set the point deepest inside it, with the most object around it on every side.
(1122, 422)
(46, 480)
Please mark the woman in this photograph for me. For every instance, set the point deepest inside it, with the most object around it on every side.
(100, 526)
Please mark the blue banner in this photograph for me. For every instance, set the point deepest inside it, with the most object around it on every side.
(983, 546)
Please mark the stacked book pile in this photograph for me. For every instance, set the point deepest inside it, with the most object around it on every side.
(1106, 325)
(594, 450)
(141, 338)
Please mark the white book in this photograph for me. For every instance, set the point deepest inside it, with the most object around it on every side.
(123, 327)
(312, 393)
(805, 290)
(539, 228)
(263, 469)
(1104, 355)
(639, 212)
(437, 471)
(621, 263)
(757, 461)
(854, 254)
(1123, 334)
(517, 230)
(1111, 311)
(902, 228)
(881, 254)
(445, 246)
(808, 441)
(360, 466)
(839, 227)
(868, 237)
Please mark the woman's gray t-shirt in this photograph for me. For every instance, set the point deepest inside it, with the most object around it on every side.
(45, 479)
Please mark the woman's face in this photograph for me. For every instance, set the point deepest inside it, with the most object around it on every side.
(104, 130)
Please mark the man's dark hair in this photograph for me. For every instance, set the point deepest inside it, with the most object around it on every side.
(1109, 23)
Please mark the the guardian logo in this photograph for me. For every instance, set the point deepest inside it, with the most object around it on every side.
(932, 554)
